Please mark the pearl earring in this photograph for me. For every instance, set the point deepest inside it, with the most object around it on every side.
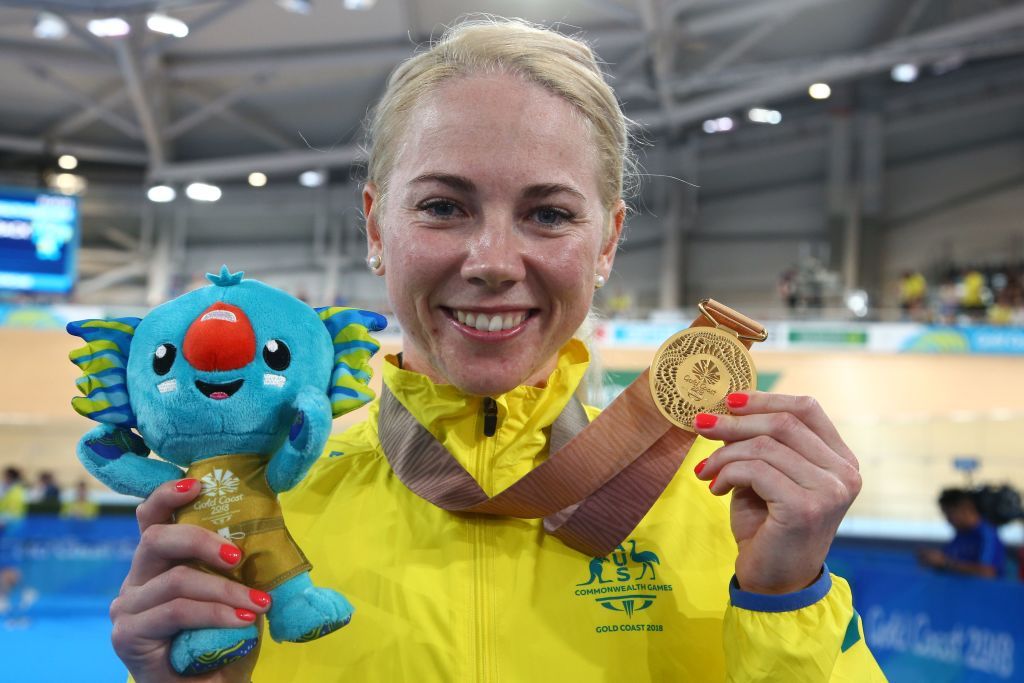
(599, 281)
(373, 261)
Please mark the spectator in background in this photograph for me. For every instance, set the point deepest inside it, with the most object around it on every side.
(974, 295)
(47, 490)
(975, 549)
(12, 518)
(80, 507)
(913, 295)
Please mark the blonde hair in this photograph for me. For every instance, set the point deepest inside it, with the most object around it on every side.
(563, 65)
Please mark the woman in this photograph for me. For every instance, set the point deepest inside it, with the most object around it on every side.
(494, 206)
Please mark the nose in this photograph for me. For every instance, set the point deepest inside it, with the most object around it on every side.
(495, 256)
(221, 338)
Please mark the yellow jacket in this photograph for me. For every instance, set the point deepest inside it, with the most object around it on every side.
(449, 597)
(13, 503)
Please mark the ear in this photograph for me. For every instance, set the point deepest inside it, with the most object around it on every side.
(104, 364)
(353, 346)
(607, 256)
(374, 242)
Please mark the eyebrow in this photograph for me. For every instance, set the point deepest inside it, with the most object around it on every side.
(457, 182)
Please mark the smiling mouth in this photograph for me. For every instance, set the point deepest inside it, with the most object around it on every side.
(494, 322)
(219, 392)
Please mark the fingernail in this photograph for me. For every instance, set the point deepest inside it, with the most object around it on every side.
(705, 421)
(737, 399)
(259, 597)
(230, 554)
(700, 466)
(711, 486)
(185, 485)
(245, 615)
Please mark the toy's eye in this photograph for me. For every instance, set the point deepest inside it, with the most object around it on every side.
(277, 355)
(163, 358)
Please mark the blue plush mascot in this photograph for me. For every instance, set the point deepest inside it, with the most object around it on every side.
(238, 383)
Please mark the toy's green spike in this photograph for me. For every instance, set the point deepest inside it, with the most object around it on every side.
(225, 278)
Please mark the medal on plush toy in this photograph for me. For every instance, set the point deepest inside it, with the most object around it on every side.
(694, 370)
(237, 383)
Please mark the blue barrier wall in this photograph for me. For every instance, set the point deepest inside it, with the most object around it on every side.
(926, 626)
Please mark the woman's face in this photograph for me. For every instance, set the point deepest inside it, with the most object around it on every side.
(492, 232)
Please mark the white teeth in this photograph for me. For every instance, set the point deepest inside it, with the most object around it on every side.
(492, 323)
(169, 385)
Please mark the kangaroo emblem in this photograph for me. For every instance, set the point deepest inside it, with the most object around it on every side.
(596, 572)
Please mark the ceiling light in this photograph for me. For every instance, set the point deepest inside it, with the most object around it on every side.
(303, 7)
(819, 91)
(722, 124)
(161, 194)
(201, 192)
(111, 27)
(759, 115)
(257, 179)
(49, 26)
(161, 23)
(359, 4)
(67, 162)
(312, 178)
(904, 73)
(68, 183)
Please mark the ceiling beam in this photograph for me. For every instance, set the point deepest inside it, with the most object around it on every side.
(99, 153)
(842, 68)
(131, 71)
(214, 107)
(94, 107)
(63, 58)
(380, 54)
(248, 122)
(241, 166)
(745, 15)
(108, 97)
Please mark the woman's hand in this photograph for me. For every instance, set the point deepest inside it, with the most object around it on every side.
(793, 480)
(162, 595)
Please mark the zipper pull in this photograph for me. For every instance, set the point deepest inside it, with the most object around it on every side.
(490, 416)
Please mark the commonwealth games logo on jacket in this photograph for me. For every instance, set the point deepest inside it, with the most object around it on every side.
(626, 581)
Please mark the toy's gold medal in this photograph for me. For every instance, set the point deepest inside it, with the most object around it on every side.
(696, 369)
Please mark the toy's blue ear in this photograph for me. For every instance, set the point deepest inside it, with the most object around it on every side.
(353, 346)
(104, 364)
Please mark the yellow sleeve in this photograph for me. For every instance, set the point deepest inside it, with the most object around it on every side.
(783, 638)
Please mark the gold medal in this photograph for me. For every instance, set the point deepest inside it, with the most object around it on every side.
(695, 370)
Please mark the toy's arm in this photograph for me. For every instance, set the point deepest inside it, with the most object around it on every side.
(305, 441)
(117, 457)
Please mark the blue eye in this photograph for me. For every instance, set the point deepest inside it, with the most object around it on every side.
(441, 208)
(550, 216)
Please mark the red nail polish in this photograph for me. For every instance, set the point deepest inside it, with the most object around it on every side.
(705, 421)
(737, 399)
(259, 597)
(245, 615)
(712, 484)
(230, 554)
(700, 466)
(185, 485)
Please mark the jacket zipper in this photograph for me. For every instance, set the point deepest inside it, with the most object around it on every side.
(481, 561)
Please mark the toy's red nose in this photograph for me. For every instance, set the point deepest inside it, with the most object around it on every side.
(221, 338)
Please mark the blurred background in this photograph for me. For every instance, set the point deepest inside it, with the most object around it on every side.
(849, 172)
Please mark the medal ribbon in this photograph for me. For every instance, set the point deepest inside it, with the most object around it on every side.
(597, 485)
